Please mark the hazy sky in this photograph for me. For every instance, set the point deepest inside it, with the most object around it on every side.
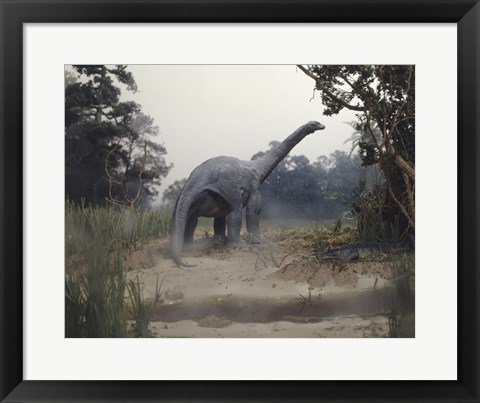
(208, 110)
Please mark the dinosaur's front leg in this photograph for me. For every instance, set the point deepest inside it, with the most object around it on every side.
(234, 224)
(252, 213)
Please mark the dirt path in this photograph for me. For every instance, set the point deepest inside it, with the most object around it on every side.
(276, 289)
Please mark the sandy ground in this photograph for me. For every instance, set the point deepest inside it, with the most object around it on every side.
(273, 289)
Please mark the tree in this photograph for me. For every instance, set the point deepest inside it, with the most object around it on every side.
(383, 98)
(342, 172)
(171, 193)
(110, 148)
(299, 189)
(143, 162)
(97, 95)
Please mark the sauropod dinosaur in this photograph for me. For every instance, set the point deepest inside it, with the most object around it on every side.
(221, 187)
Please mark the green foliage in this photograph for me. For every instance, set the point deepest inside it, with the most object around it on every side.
(141, 309)
(97, 244)
(367, 209)
(384, 98)
(94, 291)
(320, 236)
(137, 227)
(383, 94)
(109, 146)
(132, 227)
(298, 188)
(104, 74)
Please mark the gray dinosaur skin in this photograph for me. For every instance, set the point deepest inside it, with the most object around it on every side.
(221, 187)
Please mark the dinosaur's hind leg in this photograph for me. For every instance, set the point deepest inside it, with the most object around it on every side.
(219, 227)
(190, 229)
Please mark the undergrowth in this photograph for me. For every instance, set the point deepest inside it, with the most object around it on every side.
(98, 243)
(402, 316)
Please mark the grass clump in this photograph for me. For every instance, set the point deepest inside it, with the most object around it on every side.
(367, 207)
(319, 238)
(94, 292)
(141, 309)
(98, 243)
(402, 316)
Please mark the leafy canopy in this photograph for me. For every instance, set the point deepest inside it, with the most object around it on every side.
(111, 152)
(383, 97)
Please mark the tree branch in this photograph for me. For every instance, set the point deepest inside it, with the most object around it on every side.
(110, 179)
(139, 189)
(319, 86)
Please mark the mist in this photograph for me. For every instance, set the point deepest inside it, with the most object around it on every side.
(205, 111)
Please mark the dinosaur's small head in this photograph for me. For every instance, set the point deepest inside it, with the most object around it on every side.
(313, 126)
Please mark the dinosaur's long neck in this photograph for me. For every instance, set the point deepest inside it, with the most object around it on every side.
(266, 164)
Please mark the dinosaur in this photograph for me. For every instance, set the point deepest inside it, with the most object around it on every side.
(347, 253)
(221, 187)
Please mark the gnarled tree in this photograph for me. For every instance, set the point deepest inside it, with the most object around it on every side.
(383, 97)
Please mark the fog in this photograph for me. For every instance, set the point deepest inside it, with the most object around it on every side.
(208, 110)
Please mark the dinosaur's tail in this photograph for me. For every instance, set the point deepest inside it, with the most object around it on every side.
(177, 230)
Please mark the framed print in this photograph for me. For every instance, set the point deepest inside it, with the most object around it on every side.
(218, 71)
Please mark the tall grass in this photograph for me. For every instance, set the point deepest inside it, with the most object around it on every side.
(97, 244)
(130, 226)
(402, 316)
(373, 228)
(367, 208)
(319, 238)
(140, 308)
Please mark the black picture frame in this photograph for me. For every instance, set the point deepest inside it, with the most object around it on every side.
(14, 13)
